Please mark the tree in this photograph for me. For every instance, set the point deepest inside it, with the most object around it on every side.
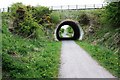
(70, 31)
(113, 14)
(109, 1)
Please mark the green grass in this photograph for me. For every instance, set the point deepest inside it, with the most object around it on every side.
(0, 55)
(28, 58)
(104, 57)
(0, 47)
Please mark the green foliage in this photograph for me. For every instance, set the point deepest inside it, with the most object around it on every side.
(61, 31)
(28, 28)
(23, 24)
(0, 47)
(113, 14)
(103, 45)
(55, 17)
(84, 19)
(40, 13)
(29, 20)
(14, 8)
(28, 58)
(105, 57)
(5, 15)
(70, 31)
(39, 34)
(105, 34)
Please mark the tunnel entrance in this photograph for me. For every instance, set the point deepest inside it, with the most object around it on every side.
(78, 32)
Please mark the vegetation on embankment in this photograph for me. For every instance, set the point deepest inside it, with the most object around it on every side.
(28, 49)
(105, 57)
(98, 30)
(102, 36)
(101, 33)
(28, 58)
(101, 26)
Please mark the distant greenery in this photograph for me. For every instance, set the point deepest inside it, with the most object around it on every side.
(62, 30)
(70, 31)
(104, 56)
(28, 58)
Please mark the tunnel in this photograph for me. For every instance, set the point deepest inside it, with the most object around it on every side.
(78, 32)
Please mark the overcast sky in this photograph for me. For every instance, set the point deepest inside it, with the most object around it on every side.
(6, 3)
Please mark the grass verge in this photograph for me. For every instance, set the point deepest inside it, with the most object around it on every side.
(104, 57)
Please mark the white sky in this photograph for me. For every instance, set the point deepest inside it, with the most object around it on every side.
(65, 26)
(6, 3)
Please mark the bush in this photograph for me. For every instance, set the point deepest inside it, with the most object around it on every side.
(84, 19)
(29, 20)
(27, 28)
(113, 14)
(24, 24)
(39, 34)
(61, 32)
(70, 31)
(55, 17)
(14, 8)
(41, 13)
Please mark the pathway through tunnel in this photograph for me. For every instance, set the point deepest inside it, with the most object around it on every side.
(76, 62)
(68, 30)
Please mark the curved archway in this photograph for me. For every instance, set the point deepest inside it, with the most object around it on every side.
(78, 32)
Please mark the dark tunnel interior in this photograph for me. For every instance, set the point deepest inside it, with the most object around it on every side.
(75, 28)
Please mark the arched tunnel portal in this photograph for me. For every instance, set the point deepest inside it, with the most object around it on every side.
(78, 32)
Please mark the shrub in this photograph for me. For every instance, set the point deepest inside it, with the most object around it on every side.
(70, 31)
(55, 17)
(28, 28)
(41, 13)
(24, 24)
(39, 34)
(84, 19)
(14, 8)
(113, 14)
(61, 32)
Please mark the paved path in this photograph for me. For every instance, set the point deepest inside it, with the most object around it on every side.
(77, 63)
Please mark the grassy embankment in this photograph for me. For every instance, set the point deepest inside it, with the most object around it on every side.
(28, 58)
(103, 43)
(104, 56)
